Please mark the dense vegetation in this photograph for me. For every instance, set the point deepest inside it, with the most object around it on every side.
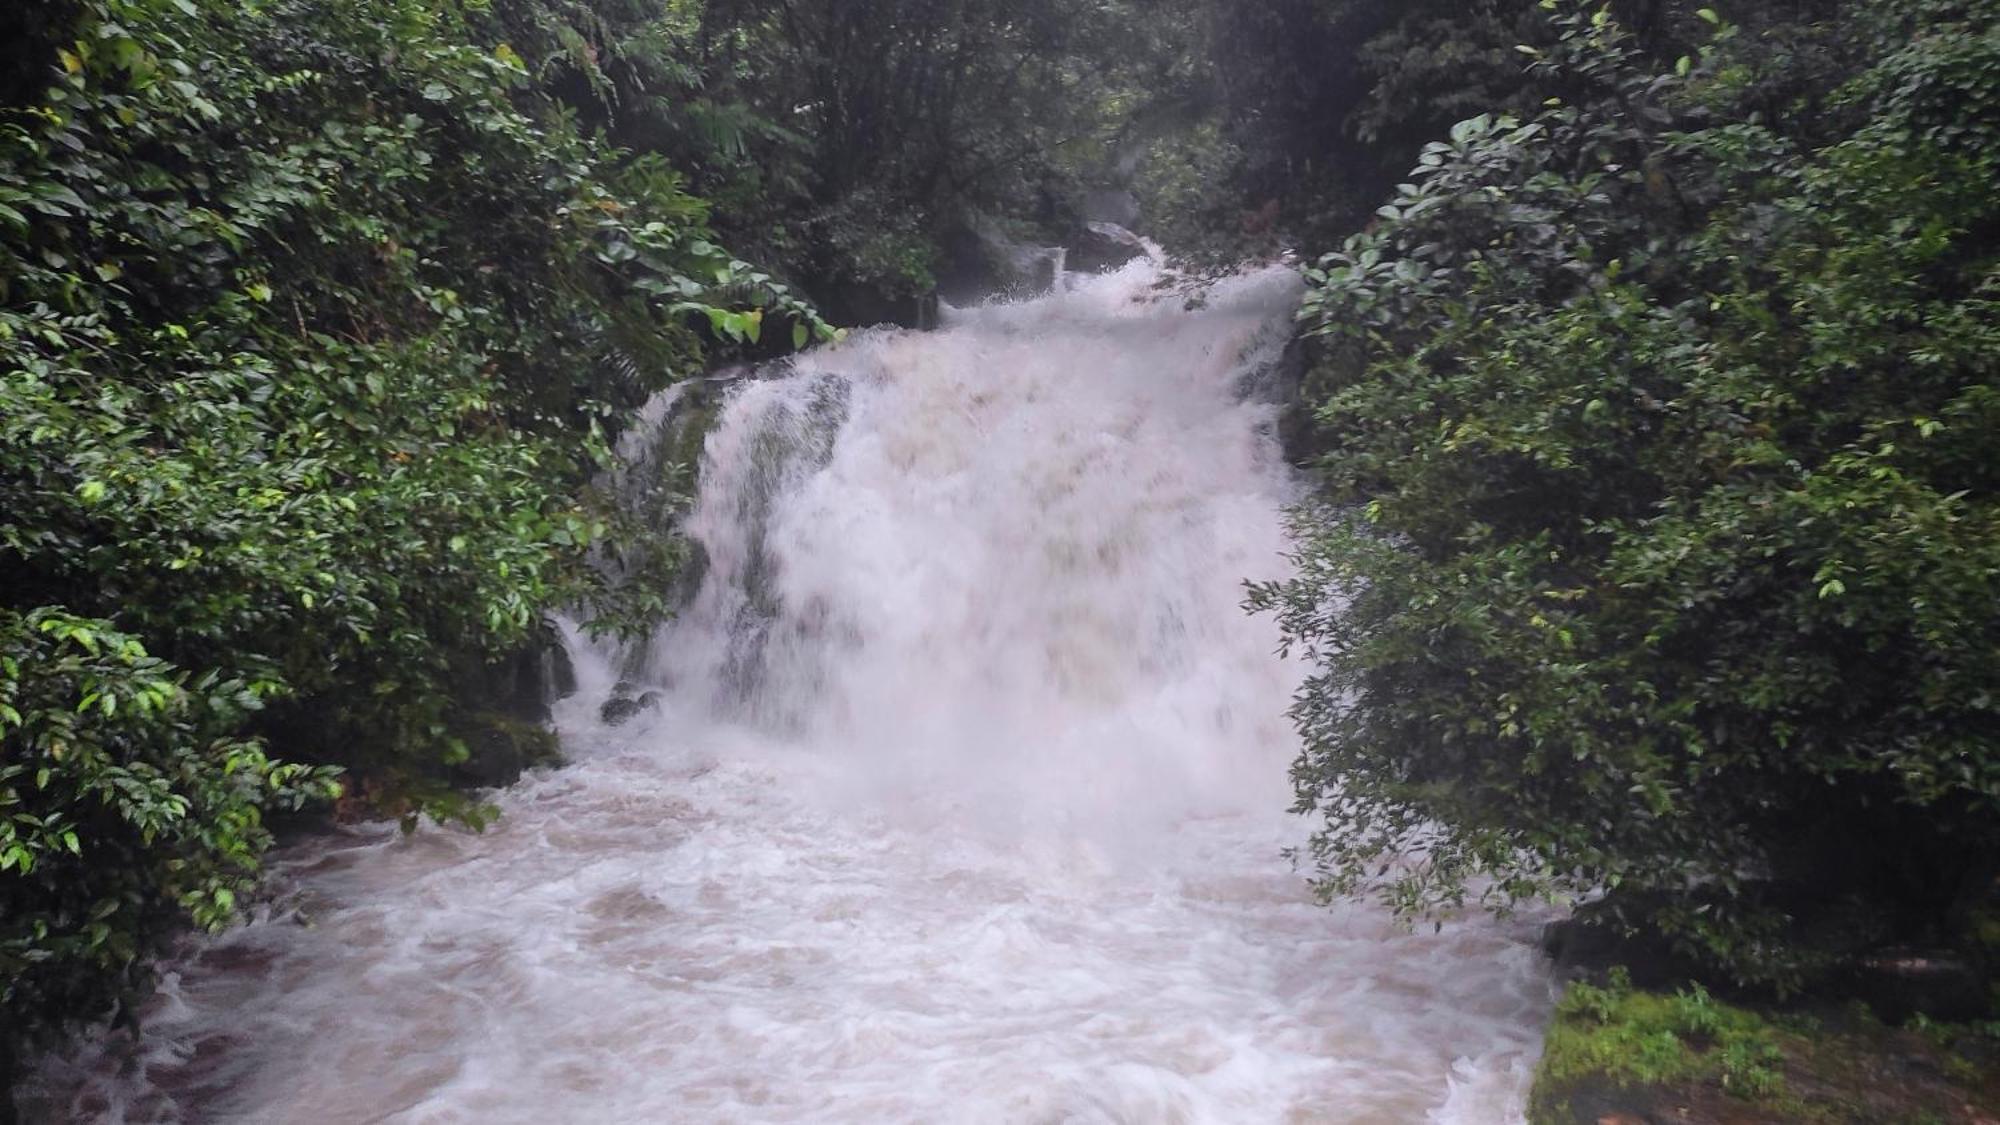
(1654, 379)
(314, 318)
(884, 149)
(1310, 112)
(1659, 436)
(878, 151)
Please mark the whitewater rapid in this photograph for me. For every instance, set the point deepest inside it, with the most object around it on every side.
(963, 801)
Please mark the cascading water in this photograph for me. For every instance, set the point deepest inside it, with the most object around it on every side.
(964, 801)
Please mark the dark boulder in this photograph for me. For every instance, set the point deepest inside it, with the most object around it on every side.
(624, 705)
(1589, 945)
(1111, 205)
(861, 304)
(500, 748)
(1100, 247)
(522, 684)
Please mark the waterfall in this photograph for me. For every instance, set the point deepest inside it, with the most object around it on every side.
(964, 799)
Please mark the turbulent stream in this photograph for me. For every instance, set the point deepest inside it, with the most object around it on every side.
(962, 798)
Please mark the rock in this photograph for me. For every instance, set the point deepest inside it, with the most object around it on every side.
(1590, 944)
(1604, 1099)
(1848, 947)
(861, 304)
(10, 1074)
(981, 260)
(1299, 436)
(1115, 206)
(1899, 983)
(507, 707)
(558, 673)
(501, 747)
(620, 708)
(521, 684)
(1101, 247)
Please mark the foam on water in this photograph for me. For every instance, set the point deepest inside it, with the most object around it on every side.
(965, 803)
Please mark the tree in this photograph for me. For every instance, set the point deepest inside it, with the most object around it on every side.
(1327, 102)
(1662, 537)
(862, 144)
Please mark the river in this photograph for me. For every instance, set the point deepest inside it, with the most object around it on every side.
(964, 799)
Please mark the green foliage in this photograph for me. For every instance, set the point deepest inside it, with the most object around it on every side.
(1617, 1034)
(1613, 1051)
(857, 144)
(1177, 194)
(315, 317)
(1664, 539)
(129, 801)
(1326, 102)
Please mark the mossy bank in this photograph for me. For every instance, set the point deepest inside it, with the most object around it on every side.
(1629, 1056)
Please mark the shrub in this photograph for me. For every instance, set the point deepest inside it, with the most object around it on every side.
(1661, 543)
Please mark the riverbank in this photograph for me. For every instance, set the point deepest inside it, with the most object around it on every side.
(1619, 1055)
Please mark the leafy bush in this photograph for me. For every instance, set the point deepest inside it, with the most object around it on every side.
(1663, 542)
(115, 753)
(315, 316)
